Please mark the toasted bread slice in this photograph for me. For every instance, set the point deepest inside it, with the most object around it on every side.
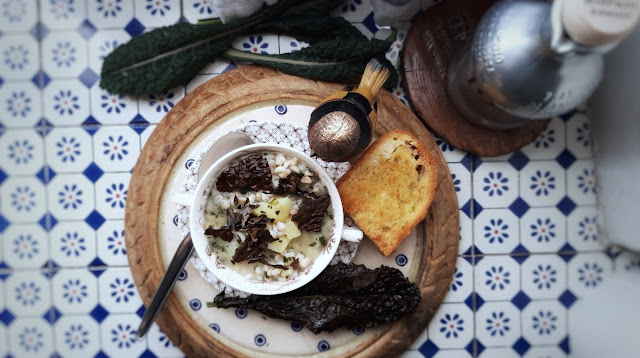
(389, 189)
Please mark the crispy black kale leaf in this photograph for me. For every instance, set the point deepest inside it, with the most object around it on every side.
(309, 216)
(288, 185)
(253, 247)
(342, 296)
(252, 172)
(223, 233)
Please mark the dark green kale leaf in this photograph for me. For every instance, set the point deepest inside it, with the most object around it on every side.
(314, 7)
(166, 57)
(340, 59)
(342, 296)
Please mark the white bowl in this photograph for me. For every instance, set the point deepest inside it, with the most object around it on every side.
(237, 280)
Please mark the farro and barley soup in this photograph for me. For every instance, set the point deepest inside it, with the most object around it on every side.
(268, 217)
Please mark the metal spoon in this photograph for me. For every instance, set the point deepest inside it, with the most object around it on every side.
(222, 146)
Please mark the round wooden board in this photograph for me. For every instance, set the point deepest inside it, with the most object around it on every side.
(433, 38)
(237, 89)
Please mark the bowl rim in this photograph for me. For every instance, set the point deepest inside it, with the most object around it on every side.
(231, 277)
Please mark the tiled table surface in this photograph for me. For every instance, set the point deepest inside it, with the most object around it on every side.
(529, 245)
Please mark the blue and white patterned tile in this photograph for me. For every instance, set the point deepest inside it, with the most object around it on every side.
(144, 136)
(496, 231)
(23, 200)
(118, 293)
(543, 230)
(583, 231)
(198, 80)
(73, 244)
(117, 334)
(75, 291)
(22, 152)
(68, 150)
(109, 108)
(549, 144)
(77, 336)
(116, 148)
(579, 140)
(542, 183)
(451, 154)
(452, 326)
(105, 14)
(587, 272)
(288, 44)
(71, 196)
(462, 284)
(498, 324)
(216, 66)
(581, 182)
(20, 104)
(194, 10)
(160, 345)
(30, 337)
(2, 238)
(423, 337)
(544, 277)
(544, 323)
(466, 234)
(451, 353)
(64, 54)
(18, 15)
(20, 57)
(497, 158)
(461, 181)
(354, 10)
(111, 244)
(545, 352)
(102, 43)
(111, 191)
(28, 293)
(495, 184)
(62, 14)
(154, 107)
(261, 44)
(3, 340)
(66, 102)
(627, 261)
(498, 353)
(412, 353)
(25, 246)
(497, 278)
(157, 13)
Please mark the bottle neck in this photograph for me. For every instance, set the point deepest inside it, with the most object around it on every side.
(592, 25)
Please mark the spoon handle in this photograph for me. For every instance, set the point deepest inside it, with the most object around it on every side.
(163, 290)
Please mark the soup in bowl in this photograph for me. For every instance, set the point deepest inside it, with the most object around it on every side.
(267, 219)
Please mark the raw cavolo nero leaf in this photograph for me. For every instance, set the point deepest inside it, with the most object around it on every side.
(312, 8)
(164, 58)
(340, 59)
(342, 296)
(167, 57)
(311, 28)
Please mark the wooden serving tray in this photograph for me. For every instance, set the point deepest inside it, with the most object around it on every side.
(212, 103)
